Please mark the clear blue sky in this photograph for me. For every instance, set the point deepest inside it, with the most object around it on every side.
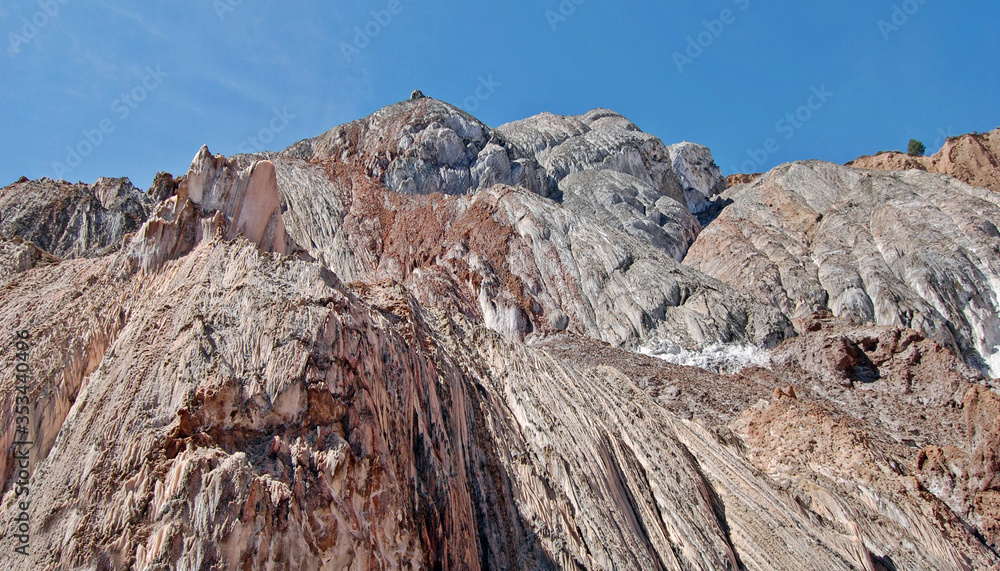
(224, 67)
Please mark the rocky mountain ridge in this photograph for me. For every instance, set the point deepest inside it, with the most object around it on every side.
(972, 158)
(405, 343)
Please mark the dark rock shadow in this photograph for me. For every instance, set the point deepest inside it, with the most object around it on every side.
(715, 208)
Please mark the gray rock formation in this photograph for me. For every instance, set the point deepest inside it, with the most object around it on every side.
(910, 249)
(619, 199)
(699, 176)
(72, 220)
(600, 261)
(426, 146)
(308, 425)
(597, 140)
(523, 264)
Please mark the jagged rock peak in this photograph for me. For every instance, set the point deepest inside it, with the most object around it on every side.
(600, 139)
(423, 146)
(215, 196)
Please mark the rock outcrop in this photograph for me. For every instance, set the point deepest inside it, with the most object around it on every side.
(309, 425)
(405, 344)
(698, 174)
(598, 261)
(73, 220)
(911, 249)
(216, 195)
(972, 158)
(737, 179)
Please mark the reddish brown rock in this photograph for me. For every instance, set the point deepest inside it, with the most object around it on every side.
(973, 158)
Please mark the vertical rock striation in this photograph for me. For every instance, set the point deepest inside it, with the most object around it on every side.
(400, 345)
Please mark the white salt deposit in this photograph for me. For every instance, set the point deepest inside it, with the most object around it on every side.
(715, 357)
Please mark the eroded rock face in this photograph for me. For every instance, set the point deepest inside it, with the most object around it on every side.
(697, 173)
(598, 140)
(973, 158)
(73, 220)
(599, 261)
(525, 265)
(216, 195)
(872, 398)
(965, 474)
(307, 425)
(908, 248)
(623, 200)
(737, 179)
(315, 359)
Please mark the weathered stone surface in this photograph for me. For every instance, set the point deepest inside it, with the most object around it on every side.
(966, 475)
(216, 195)
(618, 199)
(597, 140)
(737, 179)
(419, 146)
(973, 158)
(912, 249)
(313, 360)
(699, 176)
(855, 470)
(516, 261)
(72, 220)
(310, 426)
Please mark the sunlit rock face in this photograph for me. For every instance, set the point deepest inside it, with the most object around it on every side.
(592, 250)
(972, 158)
(699, 176)
(911, 249)
(408, 344)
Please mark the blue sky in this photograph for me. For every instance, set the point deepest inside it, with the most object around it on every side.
(136, 87)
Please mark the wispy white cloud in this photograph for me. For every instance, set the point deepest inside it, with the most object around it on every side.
(134, 16)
